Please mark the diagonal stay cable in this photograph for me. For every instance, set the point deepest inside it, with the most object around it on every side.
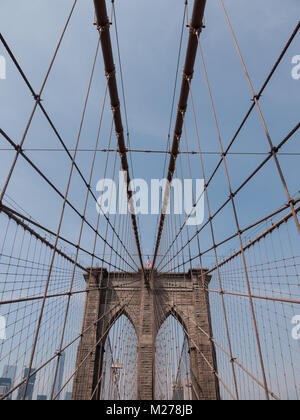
(264, 86)
(60, 223)
(20, 218)
(37, 98)
(55, 188)
(256, 99)
(231, 237)
(21, 150)
(244, 183)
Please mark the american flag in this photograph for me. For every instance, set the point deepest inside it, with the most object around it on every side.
(149, 264)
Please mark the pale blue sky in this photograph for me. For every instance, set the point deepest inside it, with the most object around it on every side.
(149, 38)
(149, 34)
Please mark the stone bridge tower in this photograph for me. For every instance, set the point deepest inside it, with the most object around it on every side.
(182, 295)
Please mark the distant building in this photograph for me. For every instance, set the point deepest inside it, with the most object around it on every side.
(9, 372)
(60, 376)
(178, 392)
(68, 396)
(41, 398)
(31, 382)
(182, 391)
(188, 391)
(5, 386)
